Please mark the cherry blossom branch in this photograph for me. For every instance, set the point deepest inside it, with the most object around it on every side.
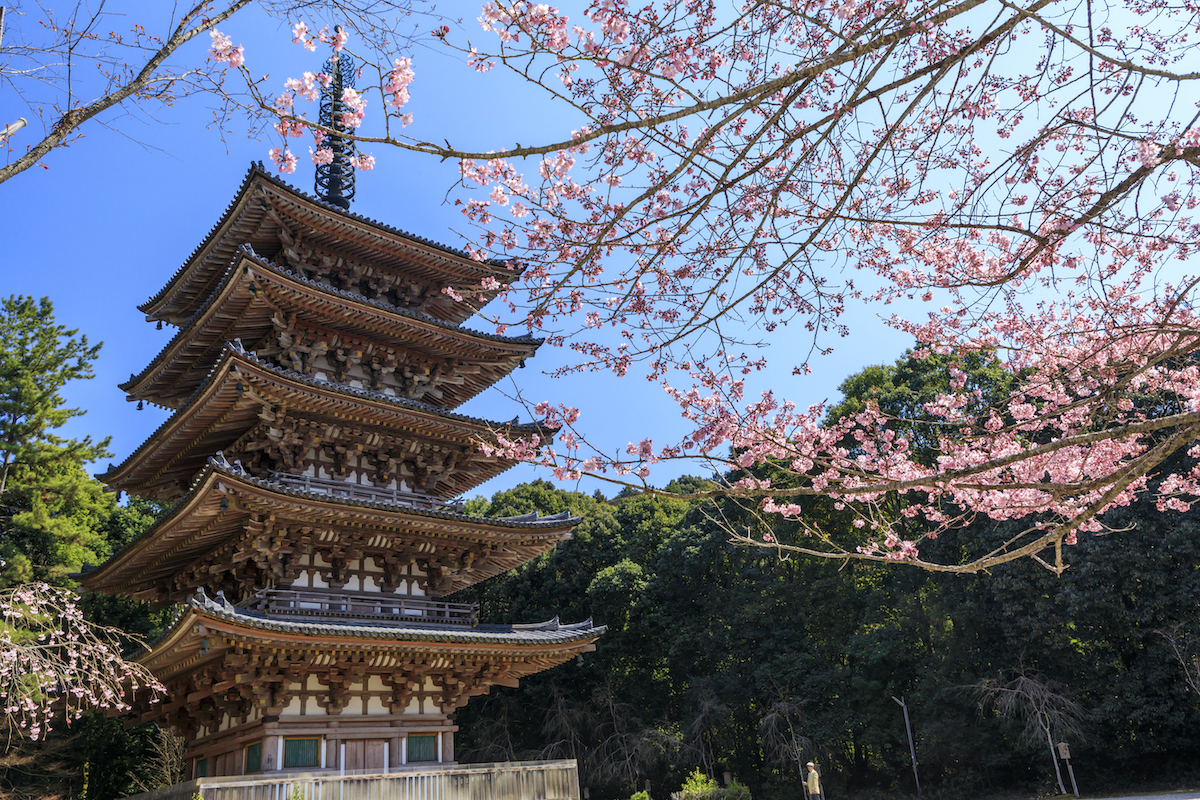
(733, 174)
(53, 661)
(150, 79)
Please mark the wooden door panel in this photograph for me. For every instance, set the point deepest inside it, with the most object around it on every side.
(375, 754)
(354, 755)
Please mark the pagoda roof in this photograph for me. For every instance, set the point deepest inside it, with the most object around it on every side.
(550, 632)
(252, 290)
(248, 220)
(223, 499)
(214, 646)
(237, 389)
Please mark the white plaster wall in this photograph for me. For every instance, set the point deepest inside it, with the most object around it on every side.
(315, 581)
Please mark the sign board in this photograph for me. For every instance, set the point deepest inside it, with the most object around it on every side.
(1064, 752)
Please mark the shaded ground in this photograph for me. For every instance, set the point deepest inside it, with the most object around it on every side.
(1164, 794)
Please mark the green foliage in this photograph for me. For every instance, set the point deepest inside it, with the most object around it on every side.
(114, 754)
(640, 796)
(120, 528)
(732, 659)
(689, 484)
(53, 518)
(94, 758)
(698, 786)
(902, 390)
(50, 509)
(540, 496)
(737, 791)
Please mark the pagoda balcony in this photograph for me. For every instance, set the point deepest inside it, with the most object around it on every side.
(365, 492)
(519, 780)
(327, 605)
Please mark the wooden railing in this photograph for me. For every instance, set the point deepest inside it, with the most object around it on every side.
(320, 604)
(528, 780)
(372, 494)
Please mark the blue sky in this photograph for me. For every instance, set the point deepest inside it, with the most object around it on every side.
(112, 217)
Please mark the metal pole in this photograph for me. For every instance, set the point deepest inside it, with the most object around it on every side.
(912, 748)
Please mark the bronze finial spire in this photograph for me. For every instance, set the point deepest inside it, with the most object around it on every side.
(335, 179)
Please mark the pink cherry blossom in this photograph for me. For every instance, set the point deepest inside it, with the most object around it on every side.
(750, 182)
(53, 661)
(397, 82)
(283, 159)
(223, 51)
(300, 36)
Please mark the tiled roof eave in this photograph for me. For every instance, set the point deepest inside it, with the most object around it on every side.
(416, 316)
(196, 609)
(531, 344)
(258, 172)
(552, 522)
(232, 355)
(503, 635)
(559, 523)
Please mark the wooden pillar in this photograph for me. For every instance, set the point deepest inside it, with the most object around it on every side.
(272, 753)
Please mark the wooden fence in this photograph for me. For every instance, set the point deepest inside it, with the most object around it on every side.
(525, 780)
(372, 494)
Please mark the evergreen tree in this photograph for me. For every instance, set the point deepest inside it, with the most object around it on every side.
(51, 511)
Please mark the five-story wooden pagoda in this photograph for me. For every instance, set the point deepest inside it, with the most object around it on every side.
(313, 454)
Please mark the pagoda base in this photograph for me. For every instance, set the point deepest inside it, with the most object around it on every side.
(352, 743)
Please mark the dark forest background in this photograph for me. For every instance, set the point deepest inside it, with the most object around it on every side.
(740, 661)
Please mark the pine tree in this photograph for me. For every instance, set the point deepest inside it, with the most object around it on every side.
(51, 510)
